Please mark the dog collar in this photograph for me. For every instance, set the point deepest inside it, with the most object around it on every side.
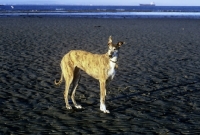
(113, 61)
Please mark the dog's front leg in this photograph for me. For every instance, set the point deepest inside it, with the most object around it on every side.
(102, 96)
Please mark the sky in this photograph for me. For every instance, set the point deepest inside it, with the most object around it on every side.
(106, 2)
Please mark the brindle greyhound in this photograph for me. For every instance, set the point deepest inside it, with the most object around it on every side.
(100, 66)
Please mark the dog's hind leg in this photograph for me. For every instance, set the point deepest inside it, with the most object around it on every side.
(75, 84)
(68, 75)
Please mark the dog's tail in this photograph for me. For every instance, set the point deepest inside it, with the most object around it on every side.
(60, 81)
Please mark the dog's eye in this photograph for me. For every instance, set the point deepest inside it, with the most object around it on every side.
(115, 49)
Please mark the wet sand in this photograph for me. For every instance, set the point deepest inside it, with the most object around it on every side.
(156, 89)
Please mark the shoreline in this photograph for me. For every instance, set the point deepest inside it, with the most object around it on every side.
(184, 15)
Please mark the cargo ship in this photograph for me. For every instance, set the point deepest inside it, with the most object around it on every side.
(151, 4)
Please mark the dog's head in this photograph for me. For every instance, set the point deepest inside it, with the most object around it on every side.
(113, 49)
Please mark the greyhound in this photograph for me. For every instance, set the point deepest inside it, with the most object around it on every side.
(100, 66)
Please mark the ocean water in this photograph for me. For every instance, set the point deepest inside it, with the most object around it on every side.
(101, 11)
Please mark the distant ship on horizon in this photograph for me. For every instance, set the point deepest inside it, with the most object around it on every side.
(151, 4)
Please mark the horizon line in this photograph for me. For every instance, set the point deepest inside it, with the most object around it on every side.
(96, 5)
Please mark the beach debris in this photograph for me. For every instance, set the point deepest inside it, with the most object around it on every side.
(97, 26)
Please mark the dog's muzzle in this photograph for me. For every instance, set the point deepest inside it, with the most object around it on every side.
(111, 54)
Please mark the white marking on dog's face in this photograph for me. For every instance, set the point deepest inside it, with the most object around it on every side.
(113, 51)
(113, 54)
(113, 48)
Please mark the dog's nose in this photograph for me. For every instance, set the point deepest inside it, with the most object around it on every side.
(111, 54)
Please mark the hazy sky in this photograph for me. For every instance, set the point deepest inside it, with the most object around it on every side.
(106, 2)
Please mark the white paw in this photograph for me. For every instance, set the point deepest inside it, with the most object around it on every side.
(106, 111)
(103, 109)
(68, 107)
(78, 106)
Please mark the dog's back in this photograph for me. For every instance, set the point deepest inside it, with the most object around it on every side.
(95, 65)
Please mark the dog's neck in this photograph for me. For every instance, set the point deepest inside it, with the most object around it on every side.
(113, 59)
(113, 66)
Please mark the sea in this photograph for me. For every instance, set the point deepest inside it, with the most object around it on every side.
(192, 12)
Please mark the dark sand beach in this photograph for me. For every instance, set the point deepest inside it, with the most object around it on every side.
(156, 89)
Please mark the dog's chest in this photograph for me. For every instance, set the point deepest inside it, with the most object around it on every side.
(111, 71)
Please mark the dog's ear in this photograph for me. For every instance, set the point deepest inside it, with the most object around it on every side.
(120, 43)
(110, 40)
